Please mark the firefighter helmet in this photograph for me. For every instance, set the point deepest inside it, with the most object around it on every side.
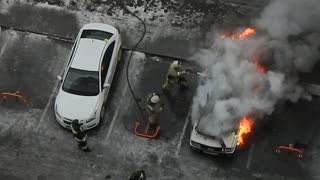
(176, 64)
(138, 175)
(155, 98)
(75, 123)
(142, 176)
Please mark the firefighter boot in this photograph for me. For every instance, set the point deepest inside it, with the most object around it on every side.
(86, 150)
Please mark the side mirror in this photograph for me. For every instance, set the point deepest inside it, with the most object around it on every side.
(106, 85)
(59, 78)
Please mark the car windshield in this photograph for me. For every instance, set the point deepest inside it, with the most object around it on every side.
(96, 34)
(81, 82)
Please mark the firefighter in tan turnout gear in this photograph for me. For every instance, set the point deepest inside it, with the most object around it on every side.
(79, 135)
(176, 74)
(153, 107)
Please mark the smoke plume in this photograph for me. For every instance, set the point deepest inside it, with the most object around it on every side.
(286, 43)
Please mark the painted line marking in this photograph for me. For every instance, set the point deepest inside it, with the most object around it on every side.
(4, 47)
(115, 116)
(250, 156)
(53, 93)
(182, 134)
(5, 123)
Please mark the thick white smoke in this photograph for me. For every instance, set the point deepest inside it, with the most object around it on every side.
(287, 42)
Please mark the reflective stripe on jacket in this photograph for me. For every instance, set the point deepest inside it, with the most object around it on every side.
(154, 108)
(175, 73)
(79, 134)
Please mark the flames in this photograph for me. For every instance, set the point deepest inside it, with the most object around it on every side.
(242, 35)
(246, 33)
(245, 127)
(239, 35)
(259, 67)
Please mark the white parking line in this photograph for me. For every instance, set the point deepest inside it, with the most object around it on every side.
(56, 87)
(115, 116)
(182, 134)
(250, 156)
(5, 123)
(3, 48)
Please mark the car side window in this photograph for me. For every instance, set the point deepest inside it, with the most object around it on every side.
(72, 52)
(70, 57)
(106, 62)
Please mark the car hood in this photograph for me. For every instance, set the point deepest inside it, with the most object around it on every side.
(72, 106)
(229, 139)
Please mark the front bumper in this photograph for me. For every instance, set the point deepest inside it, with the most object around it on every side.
(67, 122)
(211, 150)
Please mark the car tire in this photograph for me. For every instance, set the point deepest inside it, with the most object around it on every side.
(102, 111)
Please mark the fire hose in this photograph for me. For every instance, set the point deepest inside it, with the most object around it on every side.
(197, 73)
(141, 110)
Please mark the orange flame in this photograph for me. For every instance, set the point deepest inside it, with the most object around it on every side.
(242, 35)
(260, 68)
(223, 35)
(244, 128)
(246, 33)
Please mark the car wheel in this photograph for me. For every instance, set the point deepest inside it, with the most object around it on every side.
(102, 111)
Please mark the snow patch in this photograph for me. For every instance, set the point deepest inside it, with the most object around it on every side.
(49, 6)
(5, 6)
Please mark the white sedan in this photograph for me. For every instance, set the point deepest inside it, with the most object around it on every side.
(88, 75)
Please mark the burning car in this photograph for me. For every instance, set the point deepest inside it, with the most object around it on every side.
(209, 142)
(226, 143)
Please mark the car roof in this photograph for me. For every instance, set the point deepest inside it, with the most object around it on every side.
(88, 54)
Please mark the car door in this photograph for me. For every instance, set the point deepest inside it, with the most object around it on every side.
(106, 74)
(113, 63)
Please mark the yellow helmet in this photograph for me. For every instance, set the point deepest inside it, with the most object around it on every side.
(155, 98)
(176, 64)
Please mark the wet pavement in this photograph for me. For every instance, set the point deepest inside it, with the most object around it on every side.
(31, 137)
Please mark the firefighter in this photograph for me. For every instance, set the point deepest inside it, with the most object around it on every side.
(153, 107)
(176, 74)
(138, 175)
(79, 135)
